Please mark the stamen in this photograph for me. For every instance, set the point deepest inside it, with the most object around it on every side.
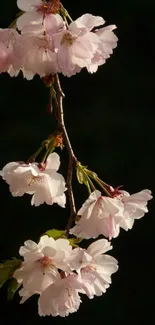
(67, 39)
(31, 180)
(51, 7)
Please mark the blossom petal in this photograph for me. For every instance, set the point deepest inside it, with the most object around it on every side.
(53, 23)
(99, 247)
(60, 200)
(29, 246)
(47, 241)
(27, 5)
(53, 161)
(90, 21)
(29, 19)
(7, 170)
(92, 198)
(25, 295)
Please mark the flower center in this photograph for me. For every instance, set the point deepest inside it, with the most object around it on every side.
(31, 180)
(45, 261)
(89, 268)
(46, 265)
(67, 39)
(51, 7)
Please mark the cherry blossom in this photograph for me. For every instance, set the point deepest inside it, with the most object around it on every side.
(135, 206)
(8, 37)
(39, 16)
(78, 47)
(106, 215)
(108, 42)
(44, 185)
(61, 297)
(36, 55)
(99, 215)
(41, 264)
(94, 267)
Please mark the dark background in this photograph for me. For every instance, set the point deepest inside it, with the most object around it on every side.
(110, 117)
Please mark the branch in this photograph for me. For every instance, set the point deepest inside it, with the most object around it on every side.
(72, 158)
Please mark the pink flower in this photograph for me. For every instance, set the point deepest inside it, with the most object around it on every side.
(108, 41)
(94, 267)
(135, 206)
(61, 297)
(44, 186)
(99, 215)
(8, 38)
(41, 264)
(39, 16)
(76, 46)
(36, 55)
(79, 47)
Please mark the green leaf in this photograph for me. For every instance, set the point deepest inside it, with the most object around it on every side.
(13, 286)
(74, 241)
(79, 175)
(7, 269)
(55, 233)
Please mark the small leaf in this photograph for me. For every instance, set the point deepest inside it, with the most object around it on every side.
(7, 269)
(13, 286)
(74, 241)
(55, 233)
(79, 175)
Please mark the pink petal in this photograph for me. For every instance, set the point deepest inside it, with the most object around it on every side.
(29, 19)
(27, 5)
(90, 21)
(99, 247)
(53, 161)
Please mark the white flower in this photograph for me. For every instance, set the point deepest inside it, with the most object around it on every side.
(61, 297)
(99, 215)
(135, 206)
(45, 186)
(38, 17)
(41, 264)
(94, 267)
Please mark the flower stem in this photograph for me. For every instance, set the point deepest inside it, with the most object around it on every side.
(72, 158)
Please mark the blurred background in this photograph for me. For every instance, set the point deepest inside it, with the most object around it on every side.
(110, 117)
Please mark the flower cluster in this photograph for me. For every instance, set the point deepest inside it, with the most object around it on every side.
(99, 215)
(44, 43)
(102, 215)
(58, 273)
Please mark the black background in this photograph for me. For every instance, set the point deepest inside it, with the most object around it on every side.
(110, 117)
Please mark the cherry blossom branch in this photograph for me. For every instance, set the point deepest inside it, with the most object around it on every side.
(72, 157)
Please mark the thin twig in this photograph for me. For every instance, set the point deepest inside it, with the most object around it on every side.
(72, 158)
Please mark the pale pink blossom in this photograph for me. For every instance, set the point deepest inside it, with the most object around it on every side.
(79, 46)
(60, 298)
(36, 55)
(99, 215)
(44, 185)
(38, 17)
(76, 46)
(8, 37)
(41, 264)
(135, 206)
(94, 267)
(108, 42)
